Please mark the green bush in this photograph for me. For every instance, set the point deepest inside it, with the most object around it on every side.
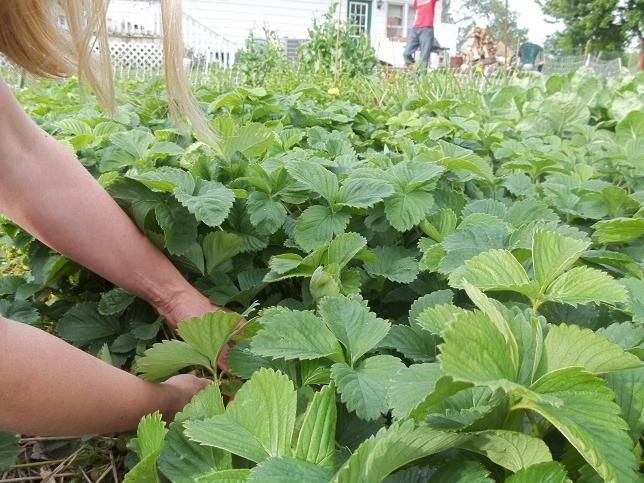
(260, 57)
(356, 56)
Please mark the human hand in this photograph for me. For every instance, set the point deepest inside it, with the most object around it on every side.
(189, 304)
(185, 305)
(179, 391)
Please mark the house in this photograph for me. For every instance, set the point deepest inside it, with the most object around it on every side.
(386, 22)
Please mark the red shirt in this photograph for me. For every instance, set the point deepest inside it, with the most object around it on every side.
(424, 13)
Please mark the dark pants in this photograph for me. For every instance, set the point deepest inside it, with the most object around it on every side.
(423, 38)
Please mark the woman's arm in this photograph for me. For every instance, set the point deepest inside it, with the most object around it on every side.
(46, 190)
(50, 388)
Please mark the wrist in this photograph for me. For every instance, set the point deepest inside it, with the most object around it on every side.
(183, 304)
(167, 401)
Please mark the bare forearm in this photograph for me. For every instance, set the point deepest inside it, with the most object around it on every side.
(49, 193)
(45, 190)
(52, 388)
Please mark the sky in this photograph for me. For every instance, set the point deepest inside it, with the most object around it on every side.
(532, 18)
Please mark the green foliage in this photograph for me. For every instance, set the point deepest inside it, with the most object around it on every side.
(318, 53)
(149, 441)
(204, 338)
(9, 450)
(608, 25)
(259, 57)
(370, 232)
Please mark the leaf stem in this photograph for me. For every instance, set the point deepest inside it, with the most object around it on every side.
(533, 424)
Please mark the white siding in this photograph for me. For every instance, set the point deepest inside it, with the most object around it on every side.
(234, 19)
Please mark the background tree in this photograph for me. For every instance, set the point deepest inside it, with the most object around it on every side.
(492, 12)
(609, 25)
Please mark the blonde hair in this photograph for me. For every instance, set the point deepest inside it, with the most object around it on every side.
(31, 35)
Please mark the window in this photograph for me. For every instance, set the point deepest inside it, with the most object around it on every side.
(395, 25)
(400, 20)
(359, 16)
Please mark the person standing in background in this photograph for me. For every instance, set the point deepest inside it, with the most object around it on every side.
(422, 35)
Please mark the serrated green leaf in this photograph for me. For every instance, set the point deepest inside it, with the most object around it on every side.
(628, 387)
(439, 297)
(211, 203)
(469, 241)
(316, 441)
(444, 388)
(19, 310)
(476, 351)
(134, 142)
(473, 164)
(225, 476)
(266, 214)
(519, 184)
(458, 470)
(492, 270)
(394, 263)
(410, 386)
(618, 230)
(115, 302)
(343, 248)
(588, 418)
(526, 211)
(316, 177)
(486, 206)
(491, 309)
(150, 435)
(83, 324)
(166, 179)
(318, 225)
(363, 192)
(550, 472)
(635, 302)
(437, 319)
(471, 409)
(178, 225)
(553, 254)
(168, 357)
(415, 344)
(404, 210)
(209, 333)
(290, 334)
(74, 126)
(289, 470)
(182, 461)
(573, 346)
(249, 139)
(223, 433)
(582, 285)
(357, 328)
(392, 448)
(219, 248)
(364, 388)
(258, 423)
(242, 362)
(509, 449)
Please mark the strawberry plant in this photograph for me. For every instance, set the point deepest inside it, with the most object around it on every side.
(442, 284)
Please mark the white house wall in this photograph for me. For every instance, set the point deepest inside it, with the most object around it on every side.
(234, 19)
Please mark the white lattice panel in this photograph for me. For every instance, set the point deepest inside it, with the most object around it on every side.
(135, 54)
